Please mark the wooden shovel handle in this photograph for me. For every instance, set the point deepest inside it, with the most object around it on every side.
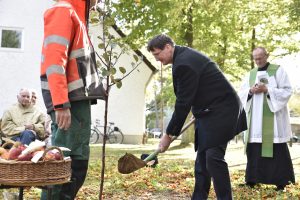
(157, 151)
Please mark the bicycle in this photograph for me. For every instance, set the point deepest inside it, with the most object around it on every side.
(114, 136)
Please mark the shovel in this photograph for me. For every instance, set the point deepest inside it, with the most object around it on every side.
(130, 163)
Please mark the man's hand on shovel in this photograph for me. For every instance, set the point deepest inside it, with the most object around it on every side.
(163, 146)
(164, 143)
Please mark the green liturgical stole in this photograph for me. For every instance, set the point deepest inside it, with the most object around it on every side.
(268, 116)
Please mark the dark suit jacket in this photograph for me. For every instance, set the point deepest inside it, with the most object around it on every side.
(200, 85)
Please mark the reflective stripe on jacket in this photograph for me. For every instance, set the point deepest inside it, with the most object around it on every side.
(68, 69)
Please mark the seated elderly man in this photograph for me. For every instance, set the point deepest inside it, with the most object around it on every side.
(23, 122)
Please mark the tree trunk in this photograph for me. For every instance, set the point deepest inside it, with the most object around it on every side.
(162, 100)
(189, 135)
(156, 111)
(252, 47)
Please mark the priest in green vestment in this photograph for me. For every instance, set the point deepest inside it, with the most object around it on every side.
(265, 92)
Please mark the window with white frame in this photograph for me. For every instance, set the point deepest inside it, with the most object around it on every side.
(11, 38)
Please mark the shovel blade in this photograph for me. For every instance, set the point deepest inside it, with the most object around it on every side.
(130, 163)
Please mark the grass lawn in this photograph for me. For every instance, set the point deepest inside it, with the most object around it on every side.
(172, 179)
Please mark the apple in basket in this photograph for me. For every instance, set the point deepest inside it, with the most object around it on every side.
(15, 151)
(25, 157)
(52, 155)
(58, 156)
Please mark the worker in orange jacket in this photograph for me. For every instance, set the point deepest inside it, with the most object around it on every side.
(70, 84)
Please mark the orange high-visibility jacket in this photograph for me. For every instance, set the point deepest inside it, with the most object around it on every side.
(68, 69)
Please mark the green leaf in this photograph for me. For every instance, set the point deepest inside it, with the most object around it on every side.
(101, 46)
(136, 58)
(119, 84)
(122, 70)
(105, 57)
(113, 70)
(104, 72)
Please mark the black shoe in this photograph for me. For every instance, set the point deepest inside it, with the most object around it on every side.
(251, 184)
(248, 184)
(280, 188)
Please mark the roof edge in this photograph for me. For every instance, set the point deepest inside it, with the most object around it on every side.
(138, 52)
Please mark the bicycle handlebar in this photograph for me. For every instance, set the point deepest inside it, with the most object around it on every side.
(98, 124)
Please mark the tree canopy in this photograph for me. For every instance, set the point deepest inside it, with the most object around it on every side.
(226, 30)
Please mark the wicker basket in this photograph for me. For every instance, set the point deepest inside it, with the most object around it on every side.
(42, 173)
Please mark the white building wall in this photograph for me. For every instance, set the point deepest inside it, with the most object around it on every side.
(21, 68)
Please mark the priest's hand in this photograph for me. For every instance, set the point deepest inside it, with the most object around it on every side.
(165, 142)
(262, 88)
(259, 88)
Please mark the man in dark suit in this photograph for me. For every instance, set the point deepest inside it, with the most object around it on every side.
(200, 86)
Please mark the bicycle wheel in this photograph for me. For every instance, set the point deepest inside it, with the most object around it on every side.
(94, 136)
(116, 137)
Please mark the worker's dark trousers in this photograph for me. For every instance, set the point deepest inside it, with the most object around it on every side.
(76, 138)
(69, 190)
(210, 164)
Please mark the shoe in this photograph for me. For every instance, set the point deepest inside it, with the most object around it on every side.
(249, 184)
(280, 188)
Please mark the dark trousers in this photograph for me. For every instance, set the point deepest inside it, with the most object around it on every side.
(75, 138)
(25, 137)
(210, 164)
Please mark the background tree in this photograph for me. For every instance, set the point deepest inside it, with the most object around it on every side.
(294, 14)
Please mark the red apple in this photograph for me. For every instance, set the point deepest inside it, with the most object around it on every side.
(57, 156)
(26, 157)
(49, 156)
(14, 153)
